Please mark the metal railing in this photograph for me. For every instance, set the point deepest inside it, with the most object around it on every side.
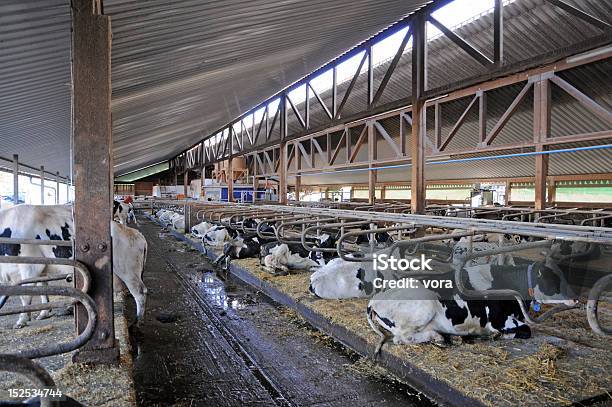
(19, 362)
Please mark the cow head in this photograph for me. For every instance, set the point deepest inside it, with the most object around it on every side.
(548, 285)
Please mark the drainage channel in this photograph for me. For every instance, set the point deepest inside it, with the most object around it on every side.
(256, 370)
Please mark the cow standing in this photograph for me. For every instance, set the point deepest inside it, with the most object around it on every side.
(54, 222)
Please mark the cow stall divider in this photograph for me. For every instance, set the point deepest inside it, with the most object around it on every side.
(297, 224)
(19, 362)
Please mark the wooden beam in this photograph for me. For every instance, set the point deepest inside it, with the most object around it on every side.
(317, 146)
(463, 44)
(385, 80)
(419, 75)
(372, 156)
(602, 25)
(304, 153)
(337, 149)
(498, 32)
(362, 136)
(351, 86)
(507, 114)
(93, 168)
(457, 125)
(388, 138)
(541, 131)
(16, 179)
(321, 102)
(584, 100)
(482, 116)
(282, 176)
(42, 185)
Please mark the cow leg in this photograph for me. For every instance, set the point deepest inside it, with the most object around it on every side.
(139, 291)
(43, 300)
(24, 317)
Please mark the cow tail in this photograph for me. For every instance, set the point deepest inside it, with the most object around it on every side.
(144, 259)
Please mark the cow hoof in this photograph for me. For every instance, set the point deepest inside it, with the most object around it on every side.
(43, 315)
(19, 325)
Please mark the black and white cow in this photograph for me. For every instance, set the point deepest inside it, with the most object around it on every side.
(380, 238)
(54, 222)
(285, 257)
(200, 229)
(124, 213)
(416, 315)
(216, 236)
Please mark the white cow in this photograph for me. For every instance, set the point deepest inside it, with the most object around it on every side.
(281, 258)
(200, 229)
(54, 222)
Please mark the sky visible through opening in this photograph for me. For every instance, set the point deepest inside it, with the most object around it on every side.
(453, 15)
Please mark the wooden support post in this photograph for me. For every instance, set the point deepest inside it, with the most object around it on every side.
(42, 185)
(93, 166)
(255, 180)
(372, 155)
(551, 191)
(282, 174)
(419, 75)
(230, 179)
(298, 177)
(15, 179)
(57, 185)
(508, 192)
(541, 131)
(186, 179)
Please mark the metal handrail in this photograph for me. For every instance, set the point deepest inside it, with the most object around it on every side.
(33, 371)
(77, 295)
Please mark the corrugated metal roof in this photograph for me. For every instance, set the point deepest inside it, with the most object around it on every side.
(180, 68)
(183, 69)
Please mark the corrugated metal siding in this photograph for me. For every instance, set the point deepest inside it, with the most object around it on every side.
(35, 82)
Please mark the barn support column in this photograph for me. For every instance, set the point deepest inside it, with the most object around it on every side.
(42, 185)
(255, 180)
(541, 132)
(508, 192)
(185, 179)
(91, 46)
(230, 179)
(15, 179)
(57, 185)
(372, 155)
(419, 76)
(298, 177)
(282, 174)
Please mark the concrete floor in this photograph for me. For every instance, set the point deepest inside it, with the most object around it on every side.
(208, 342)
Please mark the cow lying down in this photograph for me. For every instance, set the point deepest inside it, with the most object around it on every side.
(343, 279)
(416, 315)
(283, 259)
(54, 222)
(200, 229)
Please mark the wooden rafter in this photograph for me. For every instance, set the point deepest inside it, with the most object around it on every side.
(508, 113)
(387, 138)
(360, 140)
(457, 125)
